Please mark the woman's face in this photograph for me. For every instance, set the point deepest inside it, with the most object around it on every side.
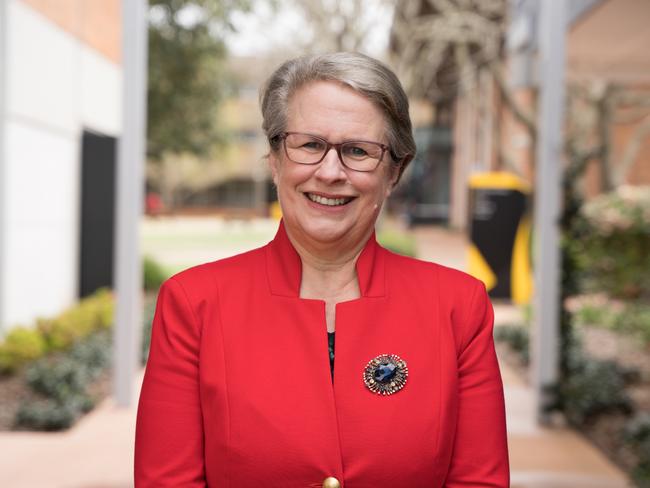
(335, 113)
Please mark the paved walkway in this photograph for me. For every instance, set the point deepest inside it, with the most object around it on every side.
(539, 457)
(98, 451)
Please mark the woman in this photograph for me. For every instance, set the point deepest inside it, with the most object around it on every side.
(239, 389)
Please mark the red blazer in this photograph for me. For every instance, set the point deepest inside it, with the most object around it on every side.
(238, 393)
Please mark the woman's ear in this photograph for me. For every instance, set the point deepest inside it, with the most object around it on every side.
(391, 184)
(395, 171)
(274, 164)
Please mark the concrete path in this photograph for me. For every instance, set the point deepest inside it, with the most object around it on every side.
(539, 457)
(98, 451)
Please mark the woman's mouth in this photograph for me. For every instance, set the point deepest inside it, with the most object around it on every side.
(330, 202)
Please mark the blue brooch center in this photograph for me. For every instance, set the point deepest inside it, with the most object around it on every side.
(385, 374)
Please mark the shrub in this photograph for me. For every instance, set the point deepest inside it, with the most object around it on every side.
(154, 274)
(595, 313)
(635, 319)
(517, 337)
(62, 379)
(630, 317)
(616, 238)
(64, 330)
(637, 434)
(89, 315)
(149, 310)
(527, 314)
(57, 378)
(593, 387)
(50, 415)
(62, 382)
(399, 242)
(94, 353)
(103, 303)
(20, 346)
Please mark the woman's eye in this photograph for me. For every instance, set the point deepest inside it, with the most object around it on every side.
(313, 145)
(355, 151)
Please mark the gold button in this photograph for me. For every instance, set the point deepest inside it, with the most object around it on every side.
(331, 482)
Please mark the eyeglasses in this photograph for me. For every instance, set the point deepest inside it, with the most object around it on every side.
(355, 155)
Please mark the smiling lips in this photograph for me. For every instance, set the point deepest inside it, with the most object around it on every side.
(330, 202)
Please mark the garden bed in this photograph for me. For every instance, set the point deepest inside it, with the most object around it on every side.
(53, 390)
(607, 431)
(14, 391)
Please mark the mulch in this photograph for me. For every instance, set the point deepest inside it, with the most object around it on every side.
(14, 391)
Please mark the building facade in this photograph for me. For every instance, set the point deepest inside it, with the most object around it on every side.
(60, 115)
(477, 64)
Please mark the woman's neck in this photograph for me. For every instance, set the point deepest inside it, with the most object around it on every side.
(329, 273)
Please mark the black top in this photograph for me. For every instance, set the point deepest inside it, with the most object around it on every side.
(330, 343)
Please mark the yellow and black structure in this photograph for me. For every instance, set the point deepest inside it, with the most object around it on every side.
(500, 227)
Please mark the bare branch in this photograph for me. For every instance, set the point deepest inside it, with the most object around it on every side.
(633, 99)
(632, 149)
(578, 159)
(604, 132)
(437, 37)
(444, 6)
(507, 162)
(467, 75)
(507, 96)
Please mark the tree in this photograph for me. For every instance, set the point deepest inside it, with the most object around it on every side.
(337, 25)
(187, 78)
(440, 44)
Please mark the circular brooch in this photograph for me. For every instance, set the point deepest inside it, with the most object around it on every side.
(386, 374)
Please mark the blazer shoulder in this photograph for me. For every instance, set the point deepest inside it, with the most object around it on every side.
(205, 276)
(461, 297)
(434, 273)
(458, 279)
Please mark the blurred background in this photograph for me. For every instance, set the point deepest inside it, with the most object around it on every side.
(474, 71)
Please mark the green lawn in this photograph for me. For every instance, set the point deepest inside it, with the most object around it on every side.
(179, 243)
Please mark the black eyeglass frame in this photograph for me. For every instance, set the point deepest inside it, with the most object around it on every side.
(330, 145)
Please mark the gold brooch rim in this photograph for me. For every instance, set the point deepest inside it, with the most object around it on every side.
(395, 385)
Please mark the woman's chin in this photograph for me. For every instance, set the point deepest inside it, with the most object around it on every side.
(326, 234)
(334, 232)
(325, 231)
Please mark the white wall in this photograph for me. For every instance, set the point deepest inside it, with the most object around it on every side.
(101, 92)
(3, 71)
(55, 87)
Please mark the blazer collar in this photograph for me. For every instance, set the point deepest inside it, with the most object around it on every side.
(284, 267)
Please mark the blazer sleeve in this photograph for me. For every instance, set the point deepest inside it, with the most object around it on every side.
(169, 432)
(480, 452)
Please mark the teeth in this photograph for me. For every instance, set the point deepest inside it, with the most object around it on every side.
(328, 201)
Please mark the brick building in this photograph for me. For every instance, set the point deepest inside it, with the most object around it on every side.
(472, 60)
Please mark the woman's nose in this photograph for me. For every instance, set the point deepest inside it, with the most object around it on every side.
(331, 167)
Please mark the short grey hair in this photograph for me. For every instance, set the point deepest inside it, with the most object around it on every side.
(365, 75)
